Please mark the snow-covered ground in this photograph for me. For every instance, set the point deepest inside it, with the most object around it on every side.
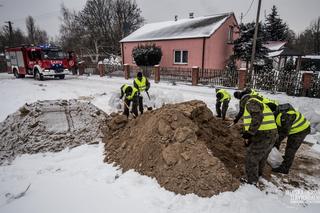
(77, 180)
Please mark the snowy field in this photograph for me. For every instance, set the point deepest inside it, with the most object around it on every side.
(77, 180)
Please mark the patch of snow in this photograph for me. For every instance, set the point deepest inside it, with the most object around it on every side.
(275, 53)
(77, 180)
(312, 56)
(274, 45)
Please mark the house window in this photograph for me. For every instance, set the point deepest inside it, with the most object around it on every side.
(230, 34)
(180, 56)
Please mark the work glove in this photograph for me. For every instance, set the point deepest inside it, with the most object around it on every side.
(246, 135)
(247, 143)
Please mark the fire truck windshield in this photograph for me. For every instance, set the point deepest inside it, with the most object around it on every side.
(54, 54)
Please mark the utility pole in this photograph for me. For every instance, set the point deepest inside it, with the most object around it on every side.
(251, 70)
(241, 17)
(10, 32)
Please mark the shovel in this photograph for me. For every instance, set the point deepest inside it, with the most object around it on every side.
(231, 125)
(148, 95)
(129, 109)
(149, 108)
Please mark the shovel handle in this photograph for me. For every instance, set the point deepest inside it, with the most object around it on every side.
(148, 95)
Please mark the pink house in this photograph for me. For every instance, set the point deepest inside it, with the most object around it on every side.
(206, 42)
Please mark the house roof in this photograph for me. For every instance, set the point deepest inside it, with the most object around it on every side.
(184, 28)
(274, 45)
(278, 48)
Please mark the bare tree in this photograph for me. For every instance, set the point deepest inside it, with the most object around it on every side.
(31, 29)
(100, 26)
(127, 17)
(70, 30)
(18, 37)
(35, 34)
(309, 40)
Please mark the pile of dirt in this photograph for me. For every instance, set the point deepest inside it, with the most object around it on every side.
(183, 146)
(50, 126)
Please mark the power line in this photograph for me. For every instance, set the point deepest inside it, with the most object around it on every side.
(248, 9)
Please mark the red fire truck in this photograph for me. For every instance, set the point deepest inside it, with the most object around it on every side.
(39, 62)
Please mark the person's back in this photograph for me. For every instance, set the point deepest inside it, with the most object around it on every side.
(223, 97)
(292, 124)
(131, 95)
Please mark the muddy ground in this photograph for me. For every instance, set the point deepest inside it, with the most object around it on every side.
(188, 150)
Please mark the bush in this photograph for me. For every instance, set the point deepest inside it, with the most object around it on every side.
(147, 55)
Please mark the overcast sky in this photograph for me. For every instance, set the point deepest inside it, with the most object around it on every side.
(297, 13)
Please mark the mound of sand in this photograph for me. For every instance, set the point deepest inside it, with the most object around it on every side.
(183, 146)
(50, 126)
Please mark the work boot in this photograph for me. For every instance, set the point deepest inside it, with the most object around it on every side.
(245, 180)
(281, 170)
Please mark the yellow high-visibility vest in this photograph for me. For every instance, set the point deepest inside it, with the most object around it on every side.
(299, 124)
(268, 122)
(267, 101)
(225, 95)
(253, 92)
(134, 91)
(141, 84)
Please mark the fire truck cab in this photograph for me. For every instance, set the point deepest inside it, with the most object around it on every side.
(39, 62)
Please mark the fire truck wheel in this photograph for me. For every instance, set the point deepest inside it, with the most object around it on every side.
(61, 76)
(38, 76)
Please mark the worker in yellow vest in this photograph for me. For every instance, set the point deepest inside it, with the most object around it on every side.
(260, 134)
(272, 104)
(296, 127)
(141, 83)
(223, 98)
(131, 95)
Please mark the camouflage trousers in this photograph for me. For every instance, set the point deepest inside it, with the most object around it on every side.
(257, 153)
(223, 112)
(293, 143)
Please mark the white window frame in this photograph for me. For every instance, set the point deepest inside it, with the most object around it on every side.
(230, 34)
(181, 56)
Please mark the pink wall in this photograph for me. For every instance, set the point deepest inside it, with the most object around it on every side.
(194, 47)
(217, 51)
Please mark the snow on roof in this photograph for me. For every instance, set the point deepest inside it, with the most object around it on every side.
(184, 28)
(312, 56)
(275, 53)
(274, 45)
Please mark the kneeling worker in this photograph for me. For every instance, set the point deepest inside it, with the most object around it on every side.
(223, 97)
(294, 125)
(141, 83)
(131, 95)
